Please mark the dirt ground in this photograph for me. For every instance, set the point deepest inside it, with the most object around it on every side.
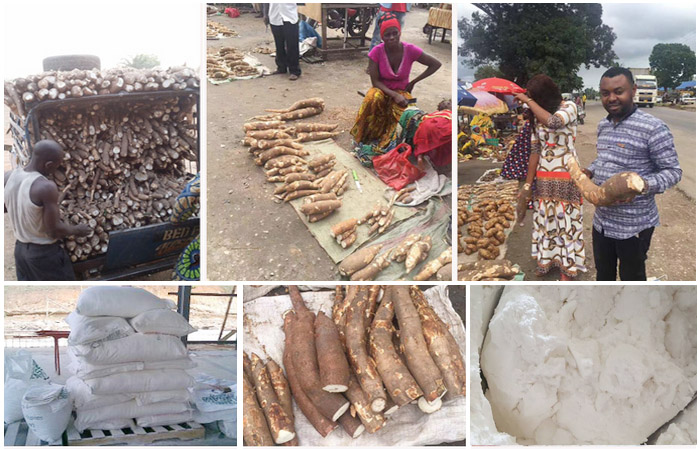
(249, 236)
(32, 308)
(672, 253)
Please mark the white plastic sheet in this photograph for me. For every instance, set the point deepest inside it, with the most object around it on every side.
(262, 323)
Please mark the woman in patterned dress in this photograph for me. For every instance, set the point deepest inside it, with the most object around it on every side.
(557, 224)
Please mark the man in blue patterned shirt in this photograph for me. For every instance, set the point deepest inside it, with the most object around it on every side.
(629, 140)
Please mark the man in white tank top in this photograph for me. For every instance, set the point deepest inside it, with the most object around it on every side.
(31, 201)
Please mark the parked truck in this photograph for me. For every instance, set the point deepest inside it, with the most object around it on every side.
(647, 88)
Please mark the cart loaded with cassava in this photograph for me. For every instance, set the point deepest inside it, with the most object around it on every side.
(132, 143)
(376, 361)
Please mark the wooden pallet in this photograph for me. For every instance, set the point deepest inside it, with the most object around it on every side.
(19, 434)
(136, 435)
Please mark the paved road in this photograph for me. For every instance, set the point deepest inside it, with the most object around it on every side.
(682, 125)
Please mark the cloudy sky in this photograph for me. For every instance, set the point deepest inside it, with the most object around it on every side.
(638, 26)
(112, 31)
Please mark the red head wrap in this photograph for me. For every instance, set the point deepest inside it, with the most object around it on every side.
(390, 23)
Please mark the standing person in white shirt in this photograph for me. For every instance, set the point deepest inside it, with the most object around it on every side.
(283, 18)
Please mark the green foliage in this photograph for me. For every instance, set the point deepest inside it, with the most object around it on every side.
(591, 93)
(525, 39)
(141, 61)
(487, 71)
(672, 64)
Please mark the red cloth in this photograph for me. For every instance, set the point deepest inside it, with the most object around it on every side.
(395, 7)
(434, 137)
(391, 23)
(232, 12)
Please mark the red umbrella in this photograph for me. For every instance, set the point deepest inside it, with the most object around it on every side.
(498, 85)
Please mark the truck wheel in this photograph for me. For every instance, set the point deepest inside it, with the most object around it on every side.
(70, 62)
(651, 105)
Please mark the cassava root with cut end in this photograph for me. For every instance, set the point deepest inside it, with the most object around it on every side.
(371, 271)
(620, 187)
(323, 425)
(415, 349)
(372, 421)
(333, 366)
(363, 365)
(351, 424)
(442, 347)
(279, 423)
(305, 360)
(284, 394)
(311, 127)
(399, 382)
(255, 430)
(358, 260)
(432, 267)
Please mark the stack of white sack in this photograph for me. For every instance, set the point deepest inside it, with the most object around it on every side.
(215, 401)
(128, 360)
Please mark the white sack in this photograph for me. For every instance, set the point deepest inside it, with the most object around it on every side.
(85, 329)
(408, 426)
(47, 410)
(14, 392)
(164, 419)
(84, 399)
(228, 427)
(141, 381)
(115, 424)
(137, 347)
(119, 301)
(209, 399)
(87, 418)
(162, 321)
(213, 416)
(86, 371)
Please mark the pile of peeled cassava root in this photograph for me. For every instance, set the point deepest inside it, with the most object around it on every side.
(487, 211)
(228, 62)
(216, 30)
(125, 162)
(277, 146)
(382, 349)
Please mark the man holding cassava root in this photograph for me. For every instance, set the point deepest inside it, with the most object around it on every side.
(31, 201)
(630, 141)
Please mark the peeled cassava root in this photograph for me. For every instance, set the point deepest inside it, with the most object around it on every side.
(125, 162)
(619, 187)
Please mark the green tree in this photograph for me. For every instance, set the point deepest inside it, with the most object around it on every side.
(672, 64)
(487, 71)
(524, 39)
(591, 93)
(141, 61)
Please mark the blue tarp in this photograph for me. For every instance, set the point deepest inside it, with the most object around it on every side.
(686, 85)
(464, 97)
(306, 30)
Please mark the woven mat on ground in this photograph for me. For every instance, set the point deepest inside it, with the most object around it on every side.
(355, 204)
(433, 220)
(262, 327)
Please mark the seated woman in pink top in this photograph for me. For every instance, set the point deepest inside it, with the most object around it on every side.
(389, 68)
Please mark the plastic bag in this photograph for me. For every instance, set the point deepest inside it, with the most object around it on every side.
(394, 168)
